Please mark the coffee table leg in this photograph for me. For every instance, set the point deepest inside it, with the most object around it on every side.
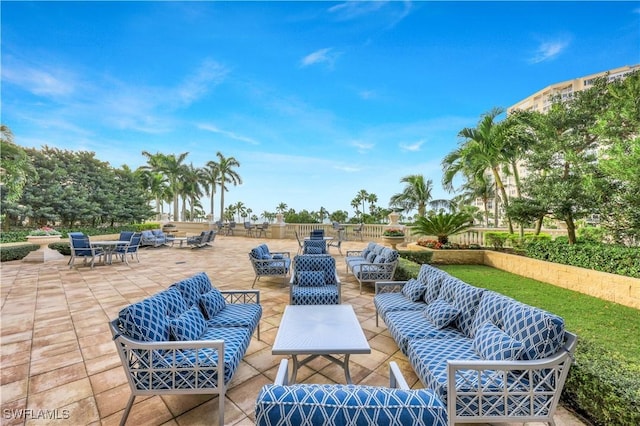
(294, 371)
(347, 375)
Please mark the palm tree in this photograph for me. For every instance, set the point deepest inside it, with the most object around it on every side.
(482, 149)
(442, 225)
(227, 174)
(212, 179)
(171, 167)
(415, 195)
(240, 209)
(191, 188)
(281, 208)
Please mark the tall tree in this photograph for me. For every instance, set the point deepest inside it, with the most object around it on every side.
(482, 148)
(212, 179)
(228, 175)
(415, 195)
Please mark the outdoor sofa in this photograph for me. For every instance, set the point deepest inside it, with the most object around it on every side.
(154, 238)
(491, 358)
(375, 263)
(281, 404)
(173, 341)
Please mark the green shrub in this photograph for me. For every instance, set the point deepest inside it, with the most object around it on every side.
(610, 258)
(16, 252)
(417, 256)
(406, 270)
(496, 239)
(603, 386)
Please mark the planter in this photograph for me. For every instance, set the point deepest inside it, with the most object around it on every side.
(44, 253)
(393, 241)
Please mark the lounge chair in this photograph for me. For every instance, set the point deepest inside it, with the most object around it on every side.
(314, 281)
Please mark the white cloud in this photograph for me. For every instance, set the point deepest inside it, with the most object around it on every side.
(53, 82)
(548, 50)
(367, 94)
(362, 147)
(414, 147)
(214, 129)
(326, 55)
(355, 9)
(209, 74)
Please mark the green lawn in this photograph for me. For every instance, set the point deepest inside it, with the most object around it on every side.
(613, 326)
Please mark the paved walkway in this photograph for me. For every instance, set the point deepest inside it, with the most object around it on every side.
(58, 358)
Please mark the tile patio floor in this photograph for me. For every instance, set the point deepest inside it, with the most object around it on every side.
(57, 352)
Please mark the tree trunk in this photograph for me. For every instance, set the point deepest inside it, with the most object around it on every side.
(571, 229)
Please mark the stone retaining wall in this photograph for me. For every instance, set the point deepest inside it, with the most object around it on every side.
(614, 288)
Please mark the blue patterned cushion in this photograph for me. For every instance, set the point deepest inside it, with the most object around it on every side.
(414, 289)
(188, 326)
(463, 296)
(393, 301)
(433, 278)
(371, 257)
(332, 405)
(174, 300)
(321, 295)
(492, 343)
(310, 278)
(440, 313)
(313, 250)
(405, 326)
(237, 315)
(541, 333)
(212, 302)
(492, 308)
(193, 287)
(146, 320)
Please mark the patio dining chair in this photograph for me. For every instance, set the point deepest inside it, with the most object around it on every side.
(299, 240)
(262, 229)
(248, 229)
(130, 249)
(358, 230)
(81, 247)
(317, 234)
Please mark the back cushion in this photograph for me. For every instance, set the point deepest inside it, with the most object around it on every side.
(212, 302)
(192, 287)
(491, 309)
(310, 278)
(466, 298)
(176, 304)
(432, 277)
(541, 333)
(146, 320)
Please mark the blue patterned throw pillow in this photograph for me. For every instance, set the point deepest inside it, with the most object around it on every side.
(212, 302)
(492, 343)
(414, 290)
(441, 313)
(310, 278)
(188, 326)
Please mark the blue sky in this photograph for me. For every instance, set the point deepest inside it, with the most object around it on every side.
(316, 100)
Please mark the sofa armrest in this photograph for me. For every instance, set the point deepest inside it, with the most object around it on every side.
(396, 379)
(283, 253)
(241, 296)
(389, 286)
(282, 377)
(532, 388)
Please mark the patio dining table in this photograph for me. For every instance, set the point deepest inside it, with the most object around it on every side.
(108, 247)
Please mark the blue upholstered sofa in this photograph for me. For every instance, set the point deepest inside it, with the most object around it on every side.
(171, 342)
(154, 238)
(491, 358)
(374, 263)
(281, 404)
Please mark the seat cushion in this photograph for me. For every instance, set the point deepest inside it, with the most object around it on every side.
(492, 343)
(237, 315)
(440, 313)
(337, 405)
(188, 326)
(407, 325)
(392, 302)
(322, 295)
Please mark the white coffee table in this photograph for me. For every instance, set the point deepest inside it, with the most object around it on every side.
(320, 330)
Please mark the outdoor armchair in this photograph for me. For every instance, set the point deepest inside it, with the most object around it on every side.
(314, 247)
(262, 229)
(314, 281)
(268, 264)
(248, 229)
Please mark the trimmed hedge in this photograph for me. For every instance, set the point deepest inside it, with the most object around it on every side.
(603, 386)
(16, 252)
(610, 258)
(20, 235)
